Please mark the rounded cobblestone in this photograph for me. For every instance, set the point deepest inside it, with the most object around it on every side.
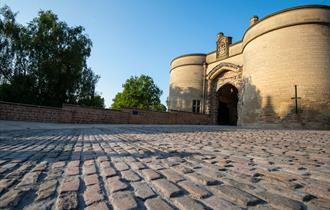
(174, 167)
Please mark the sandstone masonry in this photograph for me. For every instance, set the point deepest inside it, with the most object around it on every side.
(277, 75)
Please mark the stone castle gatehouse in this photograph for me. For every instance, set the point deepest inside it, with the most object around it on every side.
(278, 74)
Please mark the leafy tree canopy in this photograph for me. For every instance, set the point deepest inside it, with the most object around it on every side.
(45, 62)
(139, 92)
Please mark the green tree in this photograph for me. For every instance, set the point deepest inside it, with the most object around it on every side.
(139, 92)
(45, 62)
(87, 94)
(10, 44)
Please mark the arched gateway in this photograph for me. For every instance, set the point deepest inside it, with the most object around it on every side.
(227, 97)
(223, 90)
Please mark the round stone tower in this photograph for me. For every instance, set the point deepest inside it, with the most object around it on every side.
(186, 83)
(283, 50)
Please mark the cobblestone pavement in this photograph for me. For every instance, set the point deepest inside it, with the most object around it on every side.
(164, 167)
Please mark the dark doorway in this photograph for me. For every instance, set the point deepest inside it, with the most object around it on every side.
(227, 105)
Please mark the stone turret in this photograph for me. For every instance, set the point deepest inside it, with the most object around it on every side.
(254, 20)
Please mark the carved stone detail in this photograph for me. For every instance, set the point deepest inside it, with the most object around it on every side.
(232, 74)
(223, 66)
(223, 43)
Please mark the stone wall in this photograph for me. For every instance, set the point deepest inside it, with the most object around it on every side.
(80, 114)
(25, 112)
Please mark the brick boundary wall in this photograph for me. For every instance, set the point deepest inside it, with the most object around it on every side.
(83, 114)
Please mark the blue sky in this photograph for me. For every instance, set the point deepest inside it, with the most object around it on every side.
(133, 37)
